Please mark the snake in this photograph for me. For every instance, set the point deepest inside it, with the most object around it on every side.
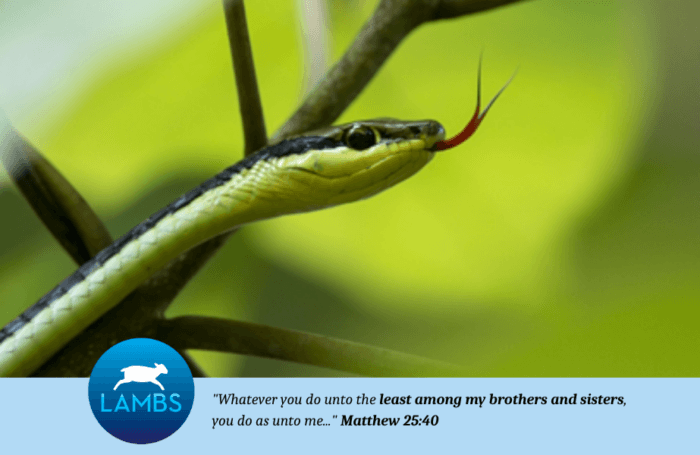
(314, 170)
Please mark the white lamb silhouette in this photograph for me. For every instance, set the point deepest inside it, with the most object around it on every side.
(138, 373)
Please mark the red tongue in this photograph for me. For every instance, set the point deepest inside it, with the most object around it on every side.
(476, 118)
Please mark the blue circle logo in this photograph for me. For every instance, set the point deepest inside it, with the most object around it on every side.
(141, 391)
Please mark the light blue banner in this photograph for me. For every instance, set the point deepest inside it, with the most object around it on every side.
(636, 416)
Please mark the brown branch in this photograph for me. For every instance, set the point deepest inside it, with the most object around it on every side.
(213, 334)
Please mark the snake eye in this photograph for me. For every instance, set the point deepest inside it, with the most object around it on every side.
(360, 138)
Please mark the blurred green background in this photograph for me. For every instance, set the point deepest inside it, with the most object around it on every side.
(563, 239)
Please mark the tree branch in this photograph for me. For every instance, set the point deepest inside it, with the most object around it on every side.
(58, 205)
(213, 334)
(246, 83)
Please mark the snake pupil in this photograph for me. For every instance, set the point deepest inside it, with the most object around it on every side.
(361, 138)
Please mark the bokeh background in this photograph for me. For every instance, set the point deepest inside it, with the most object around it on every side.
(562, 240)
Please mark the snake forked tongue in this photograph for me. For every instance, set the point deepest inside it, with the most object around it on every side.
(475, 120)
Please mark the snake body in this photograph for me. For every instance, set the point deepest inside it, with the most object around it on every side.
(320, 169)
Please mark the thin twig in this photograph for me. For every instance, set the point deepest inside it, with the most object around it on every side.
(198, 332)
(246, 82)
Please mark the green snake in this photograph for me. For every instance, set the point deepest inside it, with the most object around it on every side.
(319, 169)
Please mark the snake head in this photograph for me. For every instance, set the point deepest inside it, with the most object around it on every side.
(353, 161)
(356, 160)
